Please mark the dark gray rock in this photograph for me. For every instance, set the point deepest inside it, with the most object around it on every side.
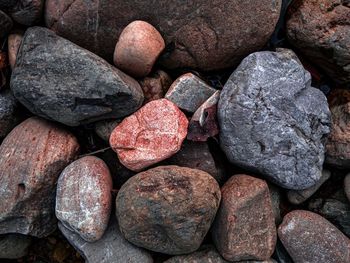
(14, 246)
(272, 121)
(276, 199)
(58, 80)
(4, 4)
(27, 12)
(104, 128)
(347, 186)
(8, 112)
(5, 24)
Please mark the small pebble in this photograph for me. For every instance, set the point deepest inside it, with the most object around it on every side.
(155, 86)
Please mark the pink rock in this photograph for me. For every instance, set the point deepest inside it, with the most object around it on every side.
(153, 133)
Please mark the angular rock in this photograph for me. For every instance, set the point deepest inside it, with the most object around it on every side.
(83, 197)
(168, 209)
(320, 30)
(58, 80)
(8, 112)
(245, 212)
(13, 246)
(14, 41)
(308, 237)
(31, 158)
(150, 135)
(5, 24)
(155, 86)
(347, 186)
(272, 121)
(27, 12)
(189, 92)
(198, 34)
(104, 128)
(111, 248)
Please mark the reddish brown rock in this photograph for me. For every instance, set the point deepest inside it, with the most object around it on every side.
(138, 47)
(14, 41)
(83, 197)
(31, 158)
(244, 228)
(155, 86)
(168, 209)
(153, 133)
(308, 237)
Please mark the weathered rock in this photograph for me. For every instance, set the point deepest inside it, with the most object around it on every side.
(31, 159)
(320, 30)
(27, 12)
(272, 121)
(14, 41)
(104, 128)
(198, 34)
(347, 186)
(111, 248)
(299, 196)
(309, 237)
(155, 86)
(245, 212)
(8, 112)
(5, 24)
(83, 197)
(338, 143)
(168, 209)
(58, 80)
(14, 246)
(150, 135)
(189, 92)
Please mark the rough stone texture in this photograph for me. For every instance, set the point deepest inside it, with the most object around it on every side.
(8, 112)
(31, 159)
(245, 212)
(111, 248)
(150, 135)
(14, 41)
(198, 34)
(272, 121)
(168, 209)
(309, 237)
(84, 198)
(58, 80)
(320, 30)
(104, 128)
(338, 143)
(189, 92)
(347, 186)
(27, 12)
(156, 85)
(5, 24)
(138, 47)
(13, 246)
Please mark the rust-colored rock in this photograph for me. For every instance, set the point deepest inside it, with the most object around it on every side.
(155, 86)
(14, 41)
(168, 209)
(31, 158)
(244, 228)
(308, 237)
(153, 133)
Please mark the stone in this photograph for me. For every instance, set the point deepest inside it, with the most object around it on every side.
(281, 255)
(27, 12)
(111, 248)
(60, 81)
(14, 41)
(5, 24)
(189, 92)
(272, 121)
(347, 186)
(320, 30)
(203, 123)
(338, 143)
(245, 212)
(13, 246)
(8, 112)
(198, 34)
(138, 47)
(308, 237)
(152, 134)
(84, 198)
(104, 128)
(155, 86)
(297, 197)
(32, 157)
(276, 200)
(4, 4)
(168, 209)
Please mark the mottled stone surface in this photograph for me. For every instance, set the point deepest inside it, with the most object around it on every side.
(27, 12)
(308, 237)
(14, 41)
(150, 135)
(320, 30)
(156, 85)
(84, 198)
(168, 209)
(8, 112)
(111, 248)
(58, 80)
(5, 24)
(189, 92)
(31, 158)
(272, 121)
(347, 186)
(245, 212)
(198, 34)
(104, 128)
(14, 246)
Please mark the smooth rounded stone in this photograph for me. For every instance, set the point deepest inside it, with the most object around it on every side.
(198, 34)
(168, 209)
(320, 30)
(27, 12)
(138, 47)
(14, 41)
(5, 24)
(347, 186)
(13, 246)
(8, 112)
(308, 237)
(104, 128)
(272, 121)
(189, 92)
(60, 81)
(111, 248)
(155, 86)
(83, 197)
(32, 157)
(338, 143)
(152, 134)
(244, 227)
(297, 197)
